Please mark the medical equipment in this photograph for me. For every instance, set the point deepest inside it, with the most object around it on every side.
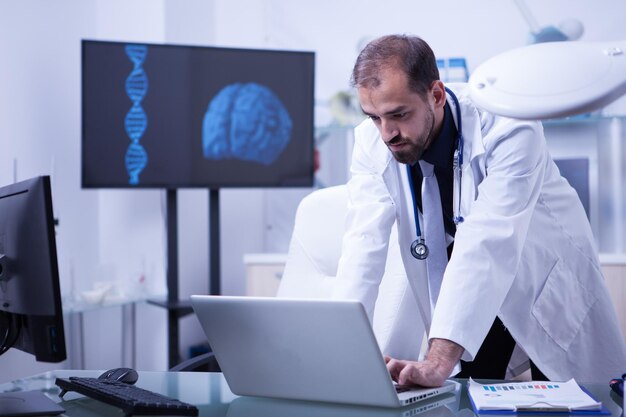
(551, 80)
(419, 249)
(567, 30)
(453, 70)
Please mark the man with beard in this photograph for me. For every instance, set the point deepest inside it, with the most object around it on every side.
(519, 260)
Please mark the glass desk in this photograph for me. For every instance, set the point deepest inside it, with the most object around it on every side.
(211, 394)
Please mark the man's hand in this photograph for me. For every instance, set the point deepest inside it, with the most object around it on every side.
(432, 371)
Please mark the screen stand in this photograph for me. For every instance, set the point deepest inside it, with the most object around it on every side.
(177, 308)
(214, 241)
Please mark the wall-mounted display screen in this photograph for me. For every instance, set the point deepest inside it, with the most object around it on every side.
(172, 116)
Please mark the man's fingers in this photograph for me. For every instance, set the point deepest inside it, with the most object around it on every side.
(423, 373)
(409, 375)
(394, 367)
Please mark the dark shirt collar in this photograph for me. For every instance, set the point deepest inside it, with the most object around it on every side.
(441, 151)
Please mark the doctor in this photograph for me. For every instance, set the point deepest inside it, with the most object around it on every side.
(520, 264)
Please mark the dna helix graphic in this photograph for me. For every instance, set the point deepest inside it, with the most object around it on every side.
(136, 121)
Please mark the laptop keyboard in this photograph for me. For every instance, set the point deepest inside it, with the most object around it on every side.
(404, 388)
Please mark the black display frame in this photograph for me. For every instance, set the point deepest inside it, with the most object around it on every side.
(299, 157)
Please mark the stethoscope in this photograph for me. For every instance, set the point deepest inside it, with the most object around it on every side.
(419, 250)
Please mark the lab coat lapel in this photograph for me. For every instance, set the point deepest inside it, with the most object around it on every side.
(473, 147)
(473, 171)
(415, 269)
(396, 179)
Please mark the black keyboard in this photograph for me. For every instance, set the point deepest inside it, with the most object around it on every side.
(131, 399)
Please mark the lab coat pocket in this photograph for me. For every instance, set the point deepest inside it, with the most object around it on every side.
(563, 303)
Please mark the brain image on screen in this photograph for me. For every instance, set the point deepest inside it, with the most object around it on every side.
(246, 121)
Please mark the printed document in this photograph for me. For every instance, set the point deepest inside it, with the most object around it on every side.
(540, 396)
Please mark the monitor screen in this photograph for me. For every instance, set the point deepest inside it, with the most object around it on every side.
(172, 116)
(31, 316)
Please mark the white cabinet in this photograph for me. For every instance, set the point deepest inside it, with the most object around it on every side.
(263, 273)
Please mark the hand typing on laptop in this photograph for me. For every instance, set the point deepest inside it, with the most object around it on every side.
(432, 371)
(333, 335)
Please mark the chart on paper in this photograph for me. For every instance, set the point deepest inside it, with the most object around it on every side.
(532, 395)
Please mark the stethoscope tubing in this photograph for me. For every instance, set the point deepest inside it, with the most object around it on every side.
(419, 249)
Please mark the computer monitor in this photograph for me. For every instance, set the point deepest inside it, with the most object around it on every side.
(177, 116)
(31, 316)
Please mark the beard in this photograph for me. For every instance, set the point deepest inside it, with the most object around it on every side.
(415, 147)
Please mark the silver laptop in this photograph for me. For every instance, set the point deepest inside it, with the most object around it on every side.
(317, 350)
(445, 405)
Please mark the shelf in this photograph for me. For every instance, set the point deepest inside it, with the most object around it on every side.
(582, 119)
(181, 308)
(618, 259)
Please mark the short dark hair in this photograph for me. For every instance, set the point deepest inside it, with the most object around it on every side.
(410, 53)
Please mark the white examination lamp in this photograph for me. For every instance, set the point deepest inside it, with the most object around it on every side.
(551, 80)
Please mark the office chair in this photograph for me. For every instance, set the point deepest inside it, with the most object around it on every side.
(205, 362)
(311, 266)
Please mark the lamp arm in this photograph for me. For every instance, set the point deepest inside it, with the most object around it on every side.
(527, 15)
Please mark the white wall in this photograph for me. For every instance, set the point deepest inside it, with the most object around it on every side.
(131, 223)
(333, 29)
(40, 125)
(120, 234)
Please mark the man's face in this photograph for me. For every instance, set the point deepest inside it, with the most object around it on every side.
(407, 122)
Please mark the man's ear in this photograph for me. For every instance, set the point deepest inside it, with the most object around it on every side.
(438, 93)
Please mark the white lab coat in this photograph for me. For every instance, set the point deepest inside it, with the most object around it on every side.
(525, 251)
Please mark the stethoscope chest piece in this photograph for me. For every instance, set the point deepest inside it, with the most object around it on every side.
(419, 250)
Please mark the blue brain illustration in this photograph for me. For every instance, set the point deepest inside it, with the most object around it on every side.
(247, 122)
